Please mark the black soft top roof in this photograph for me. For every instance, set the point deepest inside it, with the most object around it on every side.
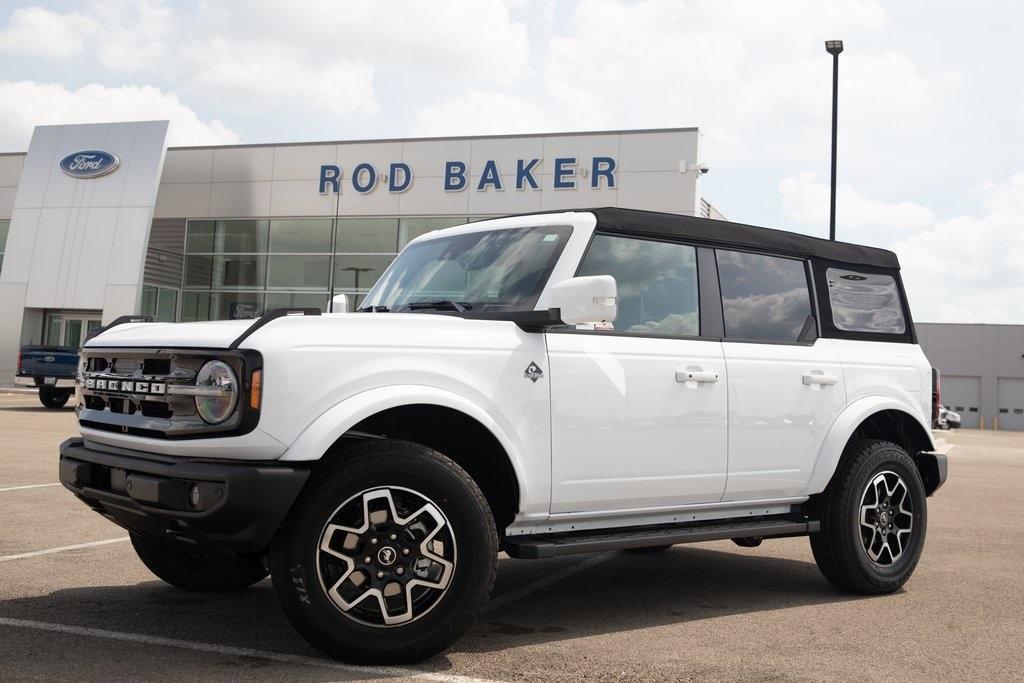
(726, 233)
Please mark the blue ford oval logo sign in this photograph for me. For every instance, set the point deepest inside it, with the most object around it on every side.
(90, 163)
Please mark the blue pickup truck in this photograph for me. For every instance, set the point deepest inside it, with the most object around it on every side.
(50, 368)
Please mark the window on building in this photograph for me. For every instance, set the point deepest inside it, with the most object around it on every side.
(160, 302)
(657, 283)
(5, 227)
(411, 228)
(238, 268)
(865, 302)
(764, 298)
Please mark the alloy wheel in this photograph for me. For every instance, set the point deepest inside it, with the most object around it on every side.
(386, 556)
(886, 518)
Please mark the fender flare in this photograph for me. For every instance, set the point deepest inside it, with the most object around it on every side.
(843, 428)
(321, 433)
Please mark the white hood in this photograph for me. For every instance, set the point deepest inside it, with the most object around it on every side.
(216, 334)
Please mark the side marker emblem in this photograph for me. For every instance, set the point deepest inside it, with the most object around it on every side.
(533, 372)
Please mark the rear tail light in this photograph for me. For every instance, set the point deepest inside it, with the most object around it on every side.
(19, 361)
(936, 396)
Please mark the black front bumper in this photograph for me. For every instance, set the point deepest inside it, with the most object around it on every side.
(214, 505)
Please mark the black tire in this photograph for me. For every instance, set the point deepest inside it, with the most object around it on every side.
(649, 550)
(841, 549)
(53, 398)
(357, 474)
(197, 574)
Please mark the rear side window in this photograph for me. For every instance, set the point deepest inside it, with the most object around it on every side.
(865, 302)
(656, 281)
(764, 298)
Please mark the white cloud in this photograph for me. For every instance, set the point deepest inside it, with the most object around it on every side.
(964, 269)
(458, 37)
(480, 113)
(26, 104)
(135, 35)
(251, 76)
(859, 218)
(37, 32)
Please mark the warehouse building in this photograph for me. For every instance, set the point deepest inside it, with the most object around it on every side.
(982, 370)
(100, 220)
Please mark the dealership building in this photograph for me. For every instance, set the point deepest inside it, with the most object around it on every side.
(102, 220)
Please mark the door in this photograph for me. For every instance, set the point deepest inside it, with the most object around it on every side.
(638, 409)
(962, 395)
(1011, 403)
(784, 394)
(69, 328)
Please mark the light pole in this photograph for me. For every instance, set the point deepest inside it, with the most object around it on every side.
(834, 47)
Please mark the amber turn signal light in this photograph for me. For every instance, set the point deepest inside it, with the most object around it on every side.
(256, 390)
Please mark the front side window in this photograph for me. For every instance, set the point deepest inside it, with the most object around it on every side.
(656, 283)
(865, 302)
(764, 298)
(488, 270)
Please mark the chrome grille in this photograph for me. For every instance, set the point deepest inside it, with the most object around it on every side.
(148, 391)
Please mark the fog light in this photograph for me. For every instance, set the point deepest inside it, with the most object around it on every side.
(193, 495)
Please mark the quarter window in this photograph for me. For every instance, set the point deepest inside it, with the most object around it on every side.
(657, 283)
(764, 298)
(865, 302)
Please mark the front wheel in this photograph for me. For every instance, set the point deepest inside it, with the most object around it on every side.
(873, 520)
(388, 557)
(195, 573)
(53, 398)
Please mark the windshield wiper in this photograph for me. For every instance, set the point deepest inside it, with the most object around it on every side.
(373, 309)
(436, 305)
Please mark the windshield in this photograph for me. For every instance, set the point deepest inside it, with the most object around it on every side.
(490, 270)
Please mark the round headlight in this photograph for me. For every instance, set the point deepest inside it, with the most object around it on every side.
(219, 379)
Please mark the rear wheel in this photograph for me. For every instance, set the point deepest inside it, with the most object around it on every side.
(195, 573)
(53, 398)
(388, 557)
(873, 520)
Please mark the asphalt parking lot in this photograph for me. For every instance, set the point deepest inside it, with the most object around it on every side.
(76, 603)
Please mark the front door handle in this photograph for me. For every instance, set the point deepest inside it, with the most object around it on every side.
(818, 377)
(699, 376)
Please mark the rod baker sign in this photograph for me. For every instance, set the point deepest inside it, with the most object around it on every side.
(566, 173)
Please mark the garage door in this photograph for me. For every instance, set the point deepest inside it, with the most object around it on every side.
(963, 395)
(1011, 404)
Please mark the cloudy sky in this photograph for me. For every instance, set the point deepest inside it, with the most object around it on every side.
(931, 99)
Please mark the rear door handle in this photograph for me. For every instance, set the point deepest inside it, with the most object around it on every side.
(818, 377)
(699, 376)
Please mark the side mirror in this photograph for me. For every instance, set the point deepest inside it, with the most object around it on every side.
(589, 299)
(339, 304)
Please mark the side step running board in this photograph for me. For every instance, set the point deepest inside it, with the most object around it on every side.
(553, 545)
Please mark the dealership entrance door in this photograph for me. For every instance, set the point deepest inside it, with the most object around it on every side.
(69, 328)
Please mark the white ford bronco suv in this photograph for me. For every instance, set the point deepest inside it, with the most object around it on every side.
(540, 385)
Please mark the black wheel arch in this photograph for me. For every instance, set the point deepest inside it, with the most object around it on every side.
(903, 429)
(457, 435)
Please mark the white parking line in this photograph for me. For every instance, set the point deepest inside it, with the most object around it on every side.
(30, 486)
(143, 639)
(548, 580)
(50, 551)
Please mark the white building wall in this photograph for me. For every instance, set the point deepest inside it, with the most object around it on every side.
(282, 180)
(79, 243)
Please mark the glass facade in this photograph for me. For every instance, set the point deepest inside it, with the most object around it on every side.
(240, 268)
(159, 302)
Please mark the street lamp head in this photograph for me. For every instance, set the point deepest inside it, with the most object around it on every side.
(833, 47)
